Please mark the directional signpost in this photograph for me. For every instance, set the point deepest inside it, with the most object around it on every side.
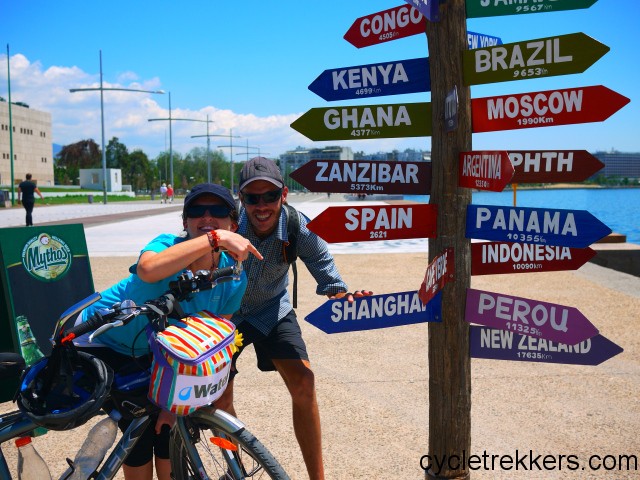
(373, 80)
(481, 40)
(547, 108)
(348, 176)
(379, 222)
(375, 311)
(366, 121)
(391, 24)
(429, 8)
(548, 166)
(557, 323)
(485, 170)
(491, 258)
(494, 8)
(542, 57)
(497, 344)
(439, 272)
(567, 228)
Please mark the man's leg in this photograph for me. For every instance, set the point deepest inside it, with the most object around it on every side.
(300, 381)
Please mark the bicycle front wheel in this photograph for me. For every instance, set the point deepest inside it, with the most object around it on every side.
(217, 443)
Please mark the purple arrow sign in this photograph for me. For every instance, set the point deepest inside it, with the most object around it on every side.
(529, 317)
(503, 345)
(375, 311)
(429, 8)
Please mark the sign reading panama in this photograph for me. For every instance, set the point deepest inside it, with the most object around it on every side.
(46, 257)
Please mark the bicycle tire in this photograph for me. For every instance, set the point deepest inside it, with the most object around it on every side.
(257, 462)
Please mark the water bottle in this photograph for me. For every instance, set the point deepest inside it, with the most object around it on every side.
(95, 447)
(28, 345)
(31, 466)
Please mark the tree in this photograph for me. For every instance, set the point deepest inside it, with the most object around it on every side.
(137, 171)
(73, 157)
(117, 153)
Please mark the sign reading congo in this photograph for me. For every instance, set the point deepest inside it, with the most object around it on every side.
(557, 323)
(391, 24)
(439, 272)
(490, 258)
(366, 121)
(543, 57)
(348, 176)
(545, 166)
(379, 222)
(569, 228)
(494, 8)
(484, 170)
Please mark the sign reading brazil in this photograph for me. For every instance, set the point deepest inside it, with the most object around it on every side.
(366, 121)
(375, 311)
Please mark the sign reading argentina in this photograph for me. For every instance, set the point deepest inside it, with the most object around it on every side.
(375, 311)
(567, 228)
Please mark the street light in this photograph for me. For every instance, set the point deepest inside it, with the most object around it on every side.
(208, 148)
(230, 137)
(102, 89)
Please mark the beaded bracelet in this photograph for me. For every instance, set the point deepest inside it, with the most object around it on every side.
(213, 240)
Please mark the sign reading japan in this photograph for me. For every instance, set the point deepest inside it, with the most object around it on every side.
(567, 228)
(496, 344)
(494, 8)
(484, 170)
(529, 317)
(375, 311)
(543, 57)
(373, 80)
(490, 258)
(348, 176)
(547, 108)
(379, 222)
(548, 166)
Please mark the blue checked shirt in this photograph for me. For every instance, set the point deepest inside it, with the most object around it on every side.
(266, 300)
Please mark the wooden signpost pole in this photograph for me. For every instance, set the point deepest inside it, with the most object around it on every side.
(449, 361)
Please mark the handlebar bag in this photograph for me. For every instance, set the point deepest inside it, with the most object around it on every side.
(191, 362)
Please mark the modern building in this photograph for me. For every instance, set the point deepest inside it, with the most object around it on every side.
(32, 144)
(91, 179)
(294, 159)
(619, 165)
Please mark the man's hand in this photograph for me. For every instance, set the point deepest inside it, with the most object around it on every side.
(350, 296)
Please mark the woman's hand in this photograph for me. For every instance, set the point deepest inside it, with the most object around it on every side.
(165, 418)
(350, 296)
(237, 246)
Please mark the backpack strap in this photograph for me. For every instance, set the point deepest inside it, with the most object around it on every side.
(290, 248)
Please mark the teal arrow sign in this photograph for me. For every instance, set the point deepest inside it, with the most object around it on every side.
(494, 8)
(366, 121)
(542, 57)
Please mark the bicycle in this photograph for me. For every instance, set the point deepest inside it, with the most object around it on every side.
(229, 452)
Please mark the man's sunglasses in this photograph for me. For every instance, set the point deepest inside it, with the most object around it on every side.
(216, 211)
(267, 197)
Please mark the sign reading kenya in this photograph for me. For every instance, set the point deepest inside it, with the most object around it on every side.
(545, 166)
(569, 228)
(484, 170)
(557, 323)
(375, 311)
(379, 222)
(494, 8)
(348, 176)
(439, 272)
(543, 57)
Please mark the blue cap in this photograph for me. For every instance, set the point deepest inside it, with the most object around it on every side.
(219, 191)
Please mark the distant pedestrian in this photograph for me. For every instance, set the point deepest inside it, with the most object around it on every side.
(26, 189)
(163, 193)
(170, 193)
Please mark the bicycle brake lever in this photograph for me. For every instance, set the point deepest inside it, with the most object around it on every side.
(104, 328)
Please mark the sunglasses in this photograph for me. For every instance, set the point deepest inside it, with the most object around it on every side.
(267, 197)
(216, 211)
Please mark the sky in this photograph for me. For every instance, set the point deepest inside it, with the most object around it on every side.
(248, 65)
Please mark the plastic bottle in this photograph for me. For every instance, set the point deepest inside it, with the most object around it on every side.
(31, 466)
(98, 442)
(28, 345)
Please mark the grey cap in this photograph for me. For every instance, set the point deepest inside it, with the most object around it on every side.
(261, 168)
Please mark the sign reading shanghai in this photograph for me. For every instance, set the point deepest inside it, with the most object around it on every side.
(366, 121)
(542, 57)
(567, 228)
(494, 8)
(548, 166)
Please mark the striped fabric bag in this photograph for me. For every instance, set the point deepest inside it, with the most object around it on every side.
(191, 362)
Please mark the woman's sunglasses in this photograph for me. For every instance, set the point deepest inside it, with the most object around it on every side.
(216, 211)
(267, 197)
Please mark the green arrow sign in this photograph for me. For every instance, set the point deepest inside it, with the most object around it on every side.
(542, 57)
(494, 8)
(366, 121)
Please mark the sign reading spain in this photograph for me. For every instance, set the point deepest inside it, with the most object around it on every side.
(494, 8)
(543, 57)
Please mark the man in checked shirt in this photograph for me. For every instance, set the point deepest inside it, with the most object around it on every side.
(266, 317)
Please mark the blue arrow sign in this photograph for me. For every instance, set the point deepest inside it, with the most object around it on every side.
(375, 311)
(498, 344)
(373, 80)
(429, 8)
(566, 228)
(480, 40)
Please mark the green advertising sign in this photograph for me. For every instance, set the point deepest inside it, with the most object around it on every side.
(542, 57)
(495, 8)
(366, 121)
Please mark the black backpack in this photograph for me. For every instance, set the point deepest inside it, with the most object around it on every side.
(290, 249)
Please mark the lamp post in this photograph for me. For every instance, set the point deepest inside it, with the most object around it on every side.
(208, 148)
(102, 89)
(230, 137)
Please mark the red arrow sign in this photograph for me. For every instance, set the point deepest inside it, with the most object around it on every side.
(547, 108)
(380, 222)
(545, 166)
(484, 170)
(345, 176)
(489, 258)
(439, 272)
(398, 22)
